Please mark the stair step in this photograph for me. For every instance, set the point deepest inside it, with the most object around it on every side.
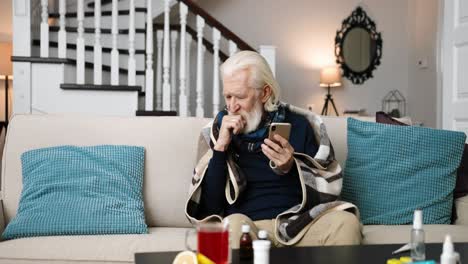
(155, 113)
(103, 2)
(106, 58)
(108, 3)
(103, 13)
(92, 30)
(54, 44)
(40, 60)
(88, 65)
(107, 68)
(106, 39)
(103, 87)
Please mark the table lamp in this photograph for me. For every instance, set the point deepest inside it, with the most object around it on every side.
(6, 71)
(329, 77)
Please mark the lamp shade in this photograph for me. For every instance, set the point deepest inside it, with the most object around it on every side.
(330, 76)
(6, 67)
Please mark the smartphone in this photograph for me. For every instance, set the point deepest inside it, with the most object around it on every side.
(282, 129)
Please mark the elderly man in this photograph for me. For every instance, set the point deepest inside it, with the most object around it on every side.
(287, 187)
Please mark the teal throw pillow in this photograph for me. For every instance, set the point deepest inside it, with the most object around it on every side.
(70, 190)
(393, 170)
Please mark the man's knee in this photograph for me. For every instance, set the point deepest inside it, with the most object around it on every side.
(334, 228)
(235, 227)
(237, 220)
(345, 228)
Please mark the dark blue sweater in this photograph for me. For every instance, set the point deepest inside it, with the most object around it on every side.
(267, 194)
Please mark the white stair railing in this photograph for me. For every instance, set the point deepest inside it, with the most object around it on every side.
(174, 35)
(187, 83)
(166, 87)
(44, 29)
(200, 57)
(166, 60)
(159, 43)
(80, 45)
(115, 51)
(183, 11)
(169, 65)
(131, 45)
(232, 47)
(149, 85)
(216, 39)
(62, 34)
(97, 43)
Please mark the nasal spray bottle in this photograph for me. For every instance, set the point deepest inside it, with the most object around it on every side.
(418, 249)
(449, 256)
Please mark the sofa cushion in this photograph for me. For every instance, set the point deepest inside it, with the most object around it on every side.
(462, 209)
(393, 170)
(69, 190)
(461, 184)
(400, 234)
(170, 152)
(384, 118)
(93, 248)
(461, 188)
(336, 130)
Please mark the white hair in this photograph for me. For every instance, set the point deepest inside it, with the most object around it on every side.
(259, 74)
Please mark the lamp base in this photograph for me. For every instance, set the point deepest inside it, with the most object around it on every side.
(328, 99)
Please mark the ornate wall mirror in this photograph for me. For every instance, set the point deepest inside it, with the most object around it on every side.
(358, 47)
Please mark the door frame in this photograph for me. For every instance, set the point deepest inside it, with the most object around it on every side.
(439, 65)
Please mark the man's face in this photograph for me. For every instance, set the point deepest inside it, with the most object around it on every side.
(242, 99)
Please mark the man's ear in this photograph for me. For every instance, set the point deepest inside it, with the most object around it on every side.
(266, 93)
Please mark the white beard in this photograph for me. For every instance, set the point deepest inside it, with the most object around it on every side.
(253, 118)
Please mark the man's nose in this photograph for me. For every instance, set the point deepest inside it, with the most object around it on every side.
(233, 106)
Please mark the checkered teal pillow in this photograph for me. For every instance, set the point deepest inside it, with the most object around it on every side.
(393, 170)
(71, 190)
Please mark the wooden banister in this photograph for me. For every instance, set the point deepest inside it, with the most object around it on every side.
(196, 9)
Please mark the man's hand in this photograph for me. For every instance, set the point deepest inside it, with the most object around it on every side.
(280, 152)
(231, 124)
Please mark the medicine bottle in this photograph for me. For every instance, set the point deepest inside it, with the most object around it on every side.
(245, 244)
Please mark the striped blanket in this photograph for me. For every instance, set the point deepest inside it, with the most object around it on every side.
(320, 178)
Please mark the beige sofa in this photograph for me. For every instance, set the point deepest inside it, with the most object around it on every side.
(170, 144)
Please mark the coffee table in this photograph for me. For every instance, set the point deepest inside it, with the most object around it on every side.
(332, 254)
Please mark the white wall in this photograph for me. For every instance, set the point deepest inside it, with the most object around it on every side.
(423, 44)
(5, 20)
(304, 30)
(5, 36)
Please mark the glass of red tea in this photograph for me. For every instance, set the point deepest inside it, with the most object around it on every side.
(212, 241)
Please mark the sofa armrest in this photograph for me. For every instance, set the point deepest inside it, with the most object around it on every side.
(462, 210)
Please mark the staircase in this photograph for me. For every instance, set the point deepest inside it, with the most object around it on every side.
(113, 57)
